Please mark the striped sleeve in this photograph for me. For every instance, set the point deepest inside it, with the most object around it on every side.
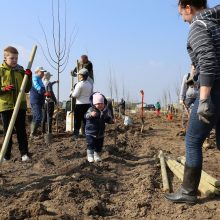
(203, 48)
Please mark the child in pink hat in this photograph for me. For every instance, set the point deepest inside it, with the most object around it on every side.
(96, 117)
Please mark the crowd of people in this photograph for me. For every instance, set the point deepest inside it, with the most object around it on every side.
(91, 109)
(200, 95)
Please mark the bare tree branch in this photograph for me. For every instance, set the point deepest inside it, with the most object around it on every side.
(47, 59)
(59, 34)
(47, 45)
(63, 50)
(53, 32)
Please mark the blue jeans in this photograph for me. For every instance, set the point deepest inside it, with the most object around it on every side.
(198, 131)
(37, 113)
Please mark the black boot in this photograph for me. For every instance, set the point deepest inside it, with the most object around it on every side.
(188, 191)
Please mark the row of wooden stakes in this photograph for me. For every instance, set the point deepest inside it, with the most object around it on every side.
(209, 186)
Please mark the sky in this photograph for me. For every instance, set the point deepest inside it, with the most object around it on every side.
(141, 44)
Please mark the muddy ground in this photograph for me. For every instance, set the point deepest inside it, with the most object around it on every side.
(60, 184)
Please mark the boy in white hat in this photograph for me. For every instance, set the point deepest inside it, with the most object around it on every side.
(37, 98)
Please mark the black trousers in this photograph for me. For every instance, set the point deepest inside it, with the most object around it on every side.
(50, 108)
(94, 144)
(79, 116)
(20, 131)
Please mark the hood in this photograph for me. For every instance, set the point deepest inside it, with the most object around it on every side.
(17, 68)
(105, 100)
(211, 14)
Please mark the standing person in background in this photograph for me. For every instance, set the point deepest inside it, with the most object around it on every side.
(204, 49)
(82, 92)
(85, 63)
(37, 99)
(50, 102)
(188, 93)
(158, 108)
(11, 78)
(122, 107)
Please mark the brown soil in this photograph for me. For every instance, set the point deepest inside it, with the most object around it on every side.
(60, 184)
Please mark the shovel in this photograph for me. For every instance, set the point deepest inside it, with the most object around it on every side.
(48, 137)
(17, 107)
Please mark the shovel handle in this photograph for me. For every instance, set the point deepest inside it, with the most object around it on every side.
(142, 104)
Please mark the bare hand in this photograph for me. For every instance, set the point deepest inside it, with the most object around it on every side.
(93, 114)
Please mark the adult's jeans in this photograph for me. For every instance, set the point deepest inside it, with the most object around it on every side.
(37, 112)
(198, 131)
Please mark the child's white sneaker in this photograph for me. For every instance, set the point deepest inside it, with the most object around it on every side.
(97, 158)
(90, 156)
(25, 158)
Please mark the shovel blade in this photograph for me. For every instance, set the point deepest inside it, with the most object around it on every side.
(48, 138)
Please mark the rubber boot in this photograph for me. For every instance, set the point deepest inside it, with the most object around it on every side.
(34, 127)
(188, 191)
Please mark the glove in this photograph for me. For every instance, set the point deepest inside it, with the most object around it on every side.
(206, 110)
(8, 88)
(28, 73)
(47, 94)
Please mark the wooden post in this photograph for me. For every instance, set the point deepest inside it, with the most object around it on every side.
(17, 107)
(166, 186)
(205, 175)
(204, 187)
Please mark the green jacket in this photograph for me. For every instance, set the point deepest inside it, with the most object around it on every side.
(12, 76)
(157, 105)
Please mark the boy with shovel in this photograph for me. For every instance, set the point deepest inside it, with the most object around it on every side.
(11, 77)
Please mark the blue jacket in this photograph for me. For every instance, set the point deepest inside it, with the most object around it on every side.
(95, 126)
(37, 91)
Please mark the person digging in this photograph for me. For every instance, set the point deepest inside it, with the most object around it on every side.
(37, 99)
(50, 102)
